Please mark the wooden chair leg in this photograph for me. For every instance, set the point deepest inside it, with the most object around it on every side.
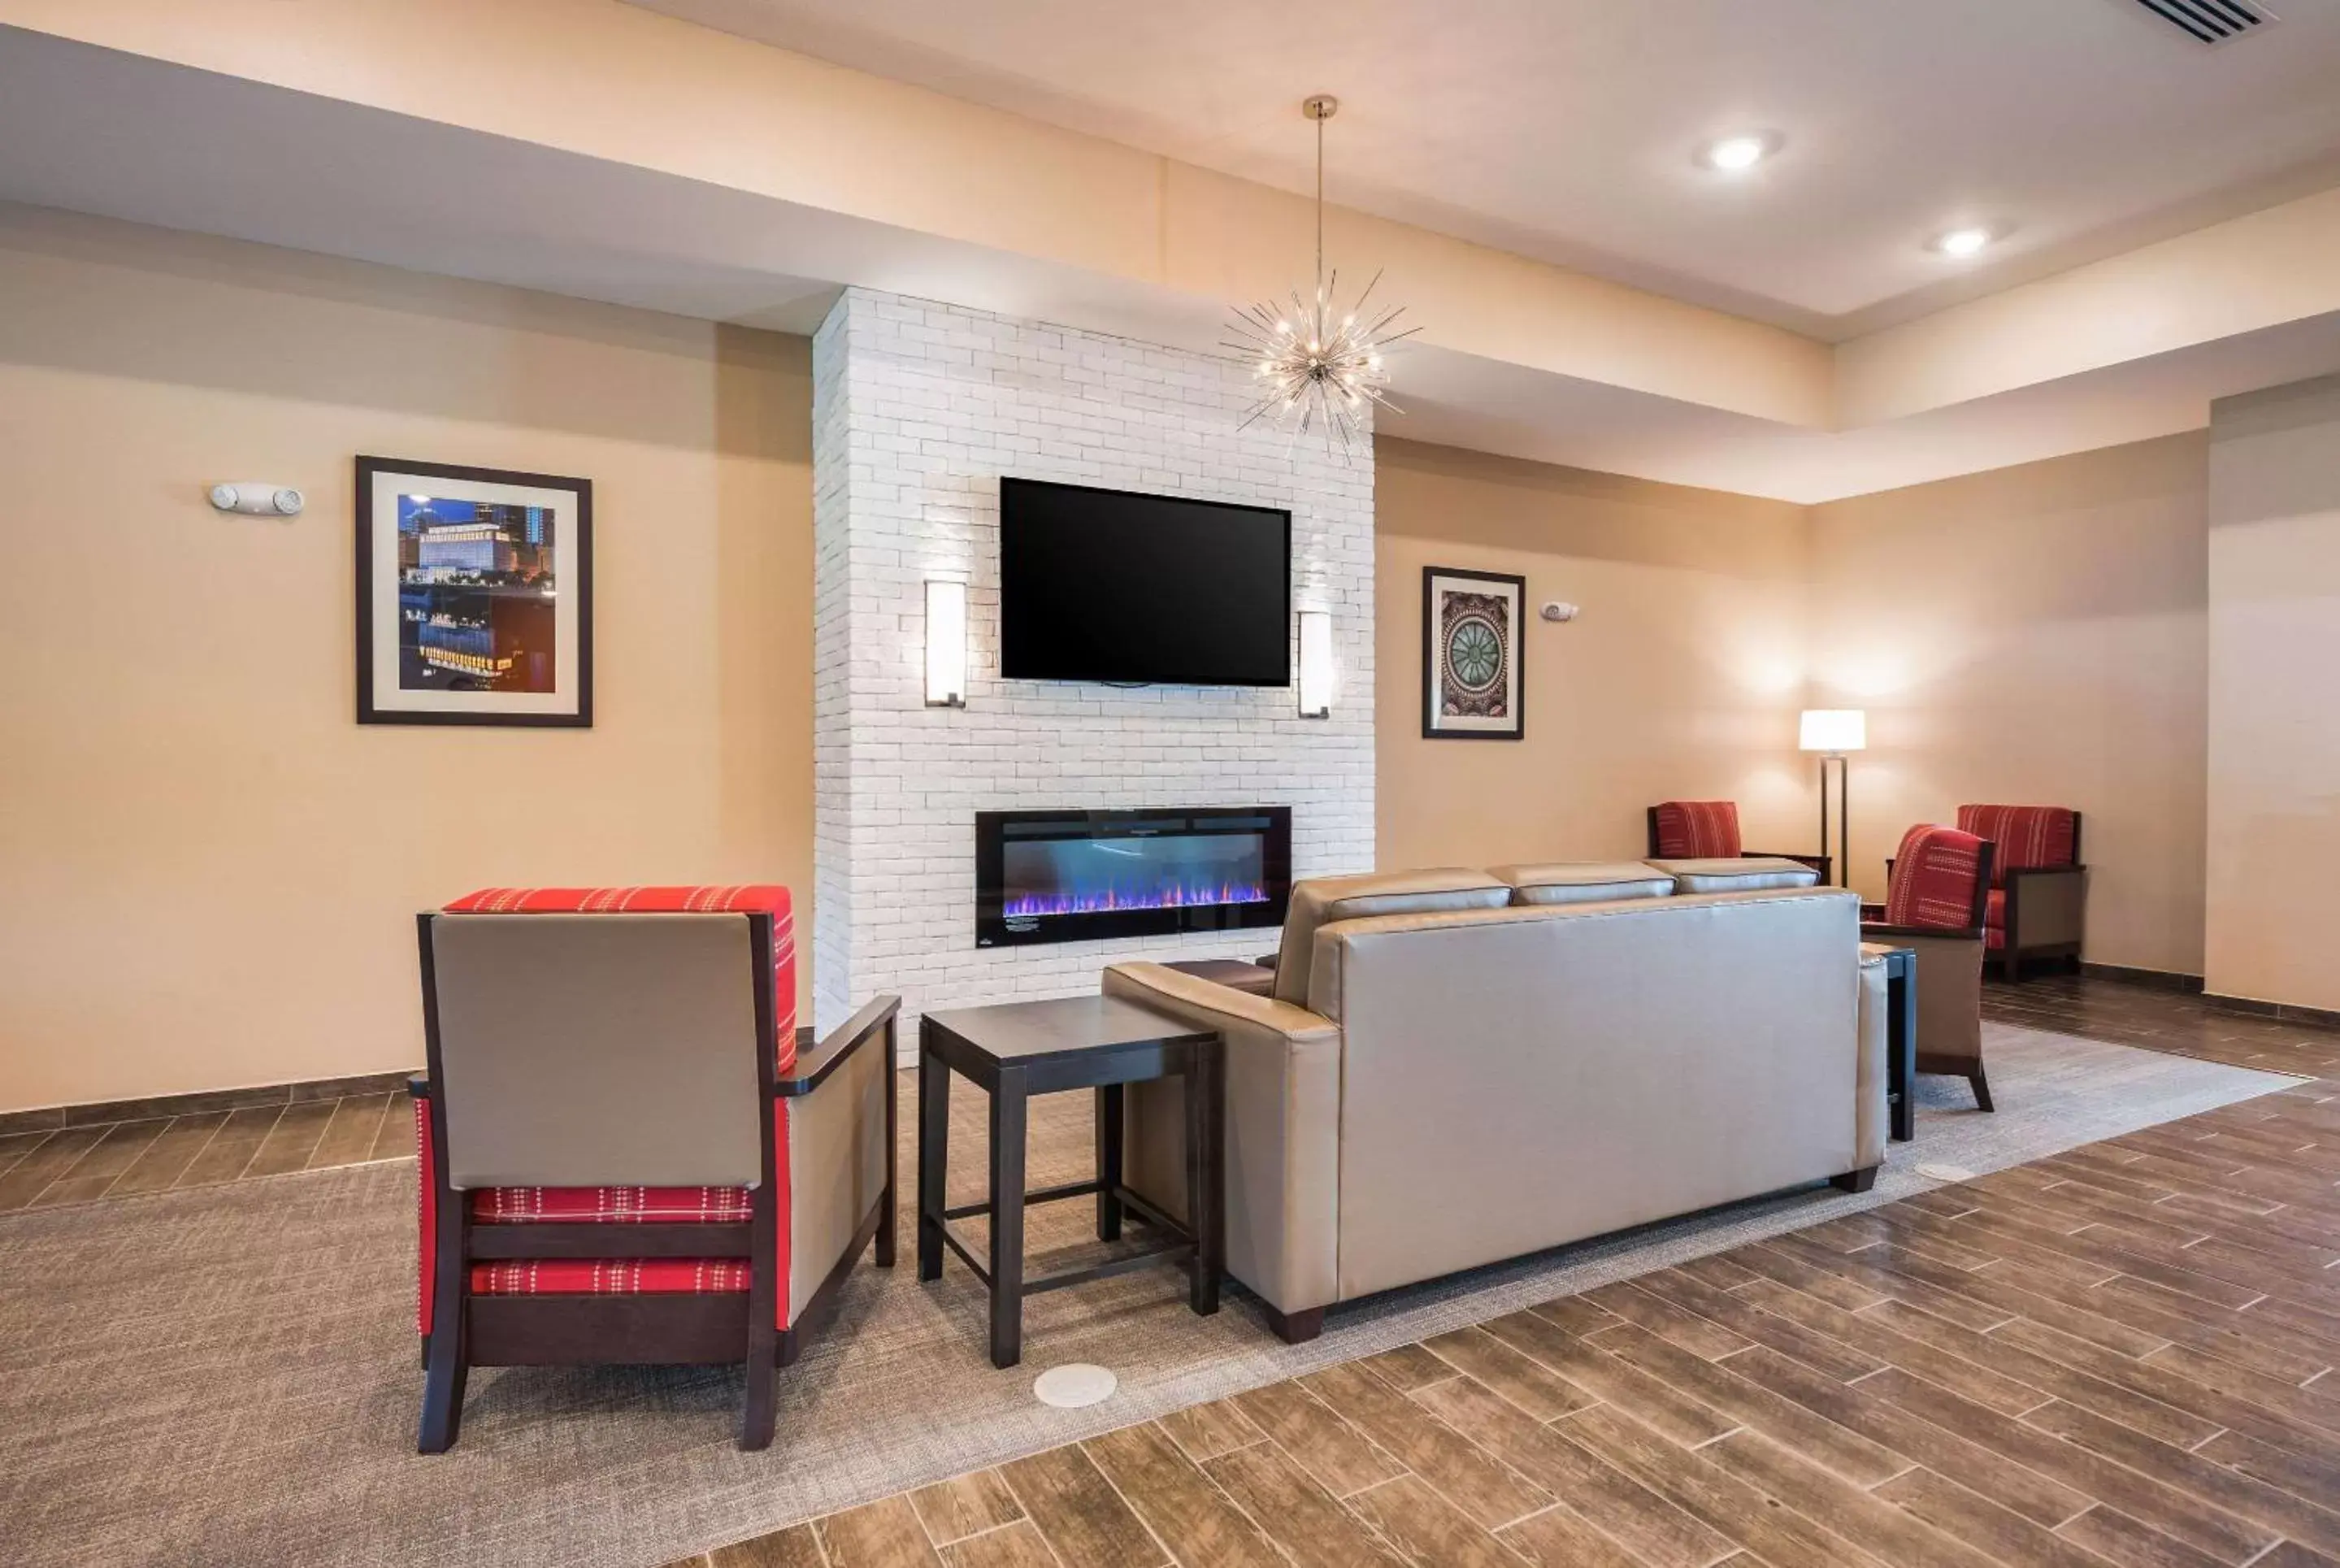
(447, 1356)
(1981, 1088)
(762, 1410)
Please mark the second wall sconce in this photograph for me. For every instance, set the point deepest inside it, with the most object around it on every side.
(1315, 664)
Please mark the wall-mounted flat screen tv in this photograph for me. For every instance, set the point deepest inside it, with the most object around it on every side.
(1108, 585)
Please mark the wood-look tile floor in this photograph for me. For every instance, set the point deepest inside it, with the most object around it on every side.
(116, 1159)
(2116, 1356)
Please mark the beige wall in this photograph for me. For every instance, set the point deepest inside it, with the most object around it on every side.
(2034, 635)
(1681, 679)
(208, 871)
(2273, 914)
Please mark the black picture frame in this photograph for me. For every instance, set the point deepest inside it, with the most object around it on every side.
(1515, 651)
(369, 587)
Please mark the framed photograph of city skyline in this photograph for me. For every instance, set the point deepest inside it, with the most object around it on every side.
(475, 595)
(1474, 684)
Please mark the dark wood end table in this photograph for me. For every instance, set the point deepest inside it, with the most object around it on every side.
(1901, 1037)
(1019, 1049)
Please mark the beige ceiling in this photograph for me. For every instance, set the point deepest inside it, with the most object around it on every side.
(1565, 130)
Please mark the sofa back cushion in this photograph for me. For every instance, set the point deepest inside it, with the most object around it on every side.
(1584, 881)
(1934, 877)
(1739, 874)
(2028, 838)
(1695, 829)
(1320, 900)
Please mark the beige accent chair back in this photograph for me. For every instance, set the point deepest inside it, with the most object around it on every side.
(598, 1050)
(1473, 1085)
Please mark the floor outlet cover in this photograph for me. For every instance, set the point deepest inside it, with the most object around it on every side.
(1072, 1387)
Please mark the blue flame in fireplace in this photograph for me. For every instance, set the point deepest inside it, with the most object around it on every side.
(1094, 877)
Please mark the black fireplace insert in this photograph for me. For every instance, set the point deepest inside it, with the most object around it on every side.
(1078, 876)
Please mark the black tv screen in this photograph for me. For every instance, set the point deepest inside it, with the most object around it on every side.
(1110, 586)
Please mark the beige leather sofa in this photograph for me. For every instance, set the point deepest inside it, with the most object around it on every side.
(1482, 1065)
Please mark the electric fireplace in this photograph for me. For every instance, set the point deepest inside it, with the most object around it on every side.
(1077, 876)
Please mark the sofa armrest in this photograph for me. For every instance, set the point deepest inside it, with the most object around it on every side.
(1282, 1130)
(875, 1021)
(1872, 1108)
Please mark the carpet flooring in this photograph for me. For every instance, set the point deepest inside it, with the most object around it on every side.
(227, 1375)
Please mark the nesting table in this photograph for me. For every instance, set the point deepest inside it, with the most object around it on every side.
(1901, 1037)
(1099, 1043)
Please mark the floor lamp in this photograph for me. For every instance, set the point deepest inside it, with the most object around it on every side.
(1836, 733)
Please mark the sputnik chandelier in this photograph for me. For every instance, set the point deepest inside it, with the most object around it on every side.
(1317, 364)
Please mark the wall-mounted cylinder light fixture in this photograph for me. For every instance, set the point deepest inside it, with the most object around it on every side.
(1315, 664)
(946, 643)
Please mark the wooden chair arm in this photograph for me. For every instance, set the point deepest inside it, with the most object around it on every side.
(1875, 931)
(874, 1020)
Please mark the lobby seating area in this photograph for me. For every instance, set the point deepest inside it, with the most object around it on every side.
(1239, 788)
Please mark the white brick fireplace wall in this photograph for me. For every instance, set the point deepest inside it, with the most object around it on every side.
(918, 409)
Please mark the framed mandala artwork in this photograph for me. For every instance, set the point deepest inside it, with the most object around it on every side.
(1473, 685)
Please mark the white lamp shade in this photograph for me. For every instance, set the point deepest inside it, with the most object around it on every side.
(1315, 664)
(1834, 729)
(945, 644)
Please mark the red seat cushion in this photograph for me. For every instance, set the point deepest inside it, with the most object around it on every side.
(1934, 875)
(2026, 837)
(611, 1205)
(612, 1277)
(712, 898)
(1697, 830)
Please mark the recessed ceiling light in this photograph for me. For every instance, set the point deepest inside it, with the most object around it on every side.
(1732, 154)
(1962, 241)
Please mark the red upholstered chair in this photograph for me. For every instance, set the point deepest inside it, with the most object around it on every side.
(629, 1151)
(2038, 886)
(1709, 830)
(1934, 905)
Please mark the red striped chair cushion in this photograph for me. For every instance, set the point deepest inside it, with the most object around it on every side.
(1697, 830)
(611, 1205)
(731, 898)
(618, 1204)
(1933, 885)
(612, 1277)
(2027, 836)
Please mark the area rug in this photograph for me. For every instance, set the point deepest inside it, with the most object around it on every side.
(228, 1375)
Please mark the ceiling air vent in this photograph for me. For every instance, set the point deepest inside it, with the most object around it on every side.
(2211, 21)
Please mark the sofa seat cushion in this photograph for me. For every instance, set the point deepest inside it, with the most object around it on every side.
(1736, 875)
(611, 1205)
(1697, 829)
(1321, 900)
(707, 898)
(1584, 881)
(2025, 837)
(612, 1277)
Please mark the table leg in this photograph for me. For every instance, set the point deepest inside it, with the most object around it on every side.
(1108, 1162)
(1007, 1218)
(934, 1152)
(1206, 1175)
(1901, 1049)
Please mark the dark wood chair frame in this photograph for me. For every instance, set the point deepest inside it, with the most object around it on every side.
(1974, 930)
(551, 1330)
(1825, 864)
(2010, 956)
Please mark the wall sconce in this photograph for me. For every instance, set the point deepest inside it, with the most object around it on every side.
(945, 644)
(1315, 664)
